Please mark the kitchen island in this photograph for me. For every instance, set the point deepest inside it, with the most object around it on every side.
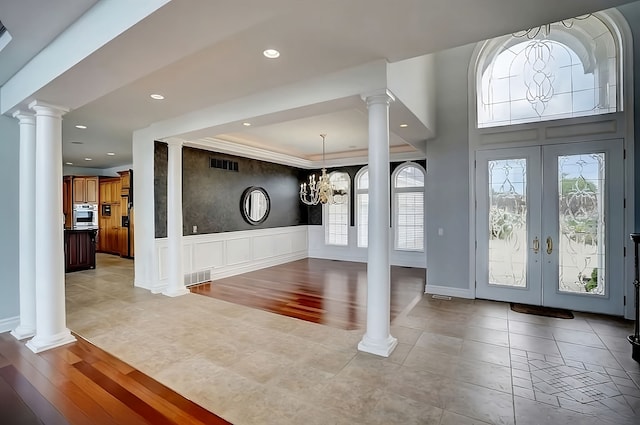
(80, 248)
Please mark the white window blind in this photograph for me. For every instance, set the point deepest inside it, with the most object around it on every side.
(408, 222)
(362, 207)
(337, 215)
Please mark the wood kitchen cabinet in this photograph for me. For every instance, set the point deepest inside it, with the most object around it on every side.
(109, 216)
(115, 215)
(67, 200)
(79, 249)
(85, 190)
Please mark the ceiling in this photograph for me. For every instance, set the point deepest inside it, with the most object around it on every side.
(199, 53)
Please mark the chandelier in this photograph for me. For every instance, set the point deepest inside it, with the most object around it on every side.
(532, 33)
(321, 190)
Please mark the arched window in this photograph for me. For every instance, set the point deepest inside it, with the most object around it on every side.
(562, 70)
(336, 216)
(362, 206)
(408, 210)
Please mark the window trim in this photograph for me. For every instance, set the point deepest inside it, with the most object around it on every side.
(395, 190)
(359, 191)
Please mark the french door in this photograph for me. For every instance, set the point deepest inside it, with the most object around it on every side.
(549, 225)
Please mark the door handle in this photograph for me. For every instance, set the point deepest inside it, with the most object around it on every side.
(549, 245)
(536, 245)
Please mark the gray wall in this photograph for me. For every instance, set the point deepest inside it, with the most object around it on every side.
(211, 196)
(447, 185)
(632, 13)
(9, 191)
(447, 182)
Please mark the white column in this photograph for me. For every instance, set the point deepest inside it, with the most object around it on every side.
(27, 218)
(175, 286)
(51, 327)
(377, 339)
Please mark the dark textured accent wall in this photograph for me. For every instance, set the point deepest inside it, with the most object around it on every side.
(161, 154)
(211, 196)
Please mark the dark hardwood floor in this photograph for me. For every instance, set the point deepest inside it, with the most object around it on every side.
(79, 383)
(332, 293)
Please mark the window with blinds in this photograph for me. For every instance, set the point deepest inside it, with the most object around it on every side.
(408, 200)
(362, 206)
(336, 216)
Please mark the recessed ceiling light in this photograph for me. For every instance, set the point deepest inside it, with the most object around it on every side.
(404, 125)
(75, 142)
(110, 153)
(81, 127)
(246, 124)
(68, 163)
(88, 159)
(156, 96)
(271, 53)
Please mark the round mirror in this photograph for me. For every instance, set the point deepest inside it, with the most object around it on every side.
(255, 205)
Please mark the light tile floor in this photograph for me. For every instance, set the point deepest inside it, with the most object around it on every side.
(458, 362)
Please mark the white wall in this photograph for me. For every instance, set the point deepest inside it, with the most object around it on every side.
(447, 182)
(413, 82)
(9, 236)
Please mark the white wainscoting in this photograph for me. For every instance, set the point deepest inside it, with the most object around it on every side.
(318, 249)
(217, 255)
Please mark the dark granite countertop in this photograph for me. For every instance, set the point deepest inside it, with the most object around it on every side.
(81, 228)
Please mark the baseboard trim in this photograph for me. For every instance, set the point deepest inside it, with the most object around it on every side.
(228, 271)
(154, 289)
(449, 291)
(9, 323)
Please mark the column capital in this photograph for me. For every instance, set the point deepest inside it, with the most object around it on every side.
(174, 141)
(378, 96)
(49, 109)
(25, 117)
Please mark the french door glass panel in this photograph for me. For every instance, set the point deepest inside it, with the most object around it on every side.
(583, 196)
(508, 222)
(508, 268)
(549, 225)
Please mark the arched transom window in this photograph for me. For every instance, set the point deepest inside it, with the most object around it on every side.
(562, 70)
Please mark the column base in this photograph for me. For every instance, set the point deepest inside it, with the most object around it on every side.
(176, 292)
(382, 348)
(39, 343)
(23, 332)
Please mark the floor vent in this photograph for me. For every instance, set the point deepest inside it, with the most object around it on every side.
(440, 297)
(197, 277)
(223, 164)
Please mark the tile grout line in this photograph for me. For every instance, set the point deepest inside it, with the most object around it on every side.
(513, 392)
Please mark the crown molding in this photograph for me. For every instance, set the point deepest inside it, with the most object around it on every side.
(231, 148)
